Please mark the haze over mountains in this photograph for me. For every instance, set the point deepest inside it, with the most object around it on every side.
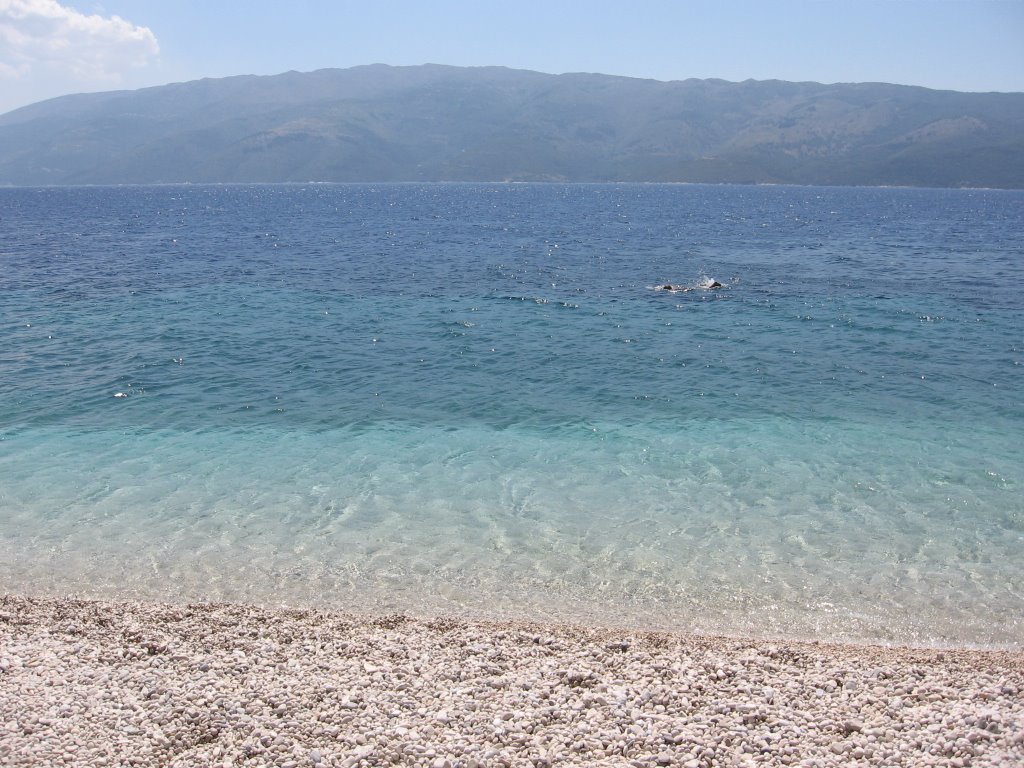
(439, 123)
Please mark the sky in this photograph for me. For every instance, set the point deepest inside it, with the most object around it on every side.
(53, 47)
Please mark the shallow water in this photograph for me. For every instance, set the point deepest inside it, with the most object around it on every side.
(472, 399)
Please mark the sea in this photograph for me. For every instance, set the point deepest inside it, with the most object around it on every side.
(478, 400)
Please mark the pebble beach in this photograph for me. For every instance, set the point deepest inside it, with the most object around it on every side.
(90, 683)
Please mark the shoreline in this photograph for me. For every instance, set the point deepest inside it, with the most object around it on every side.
(89, 682)
(889, 624)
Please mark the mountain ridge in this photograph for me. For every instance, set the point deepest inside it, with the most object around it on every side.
(441, 123)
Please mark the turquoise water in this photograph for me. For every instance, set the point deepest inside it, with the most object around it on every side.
(472, 399)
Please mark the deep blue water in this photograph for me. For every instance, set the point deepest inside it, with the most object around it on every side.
(471, 398)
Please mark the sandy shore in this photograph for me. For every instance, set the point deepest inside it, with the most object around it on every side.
(101, 683)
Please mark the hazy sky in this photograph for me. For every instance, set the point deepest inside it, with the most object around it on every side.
(51, 47)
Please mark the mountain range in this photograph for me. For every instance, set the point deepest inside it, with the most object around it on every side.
(438, 123)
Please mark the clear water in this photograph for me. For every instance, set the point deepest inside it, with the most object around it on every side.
(471, 399)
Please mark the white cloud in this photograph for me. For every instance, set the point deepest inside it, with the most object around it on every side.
(46, 40)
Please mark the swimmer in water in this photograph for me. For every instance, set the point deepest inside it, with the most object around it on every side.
(705, 285)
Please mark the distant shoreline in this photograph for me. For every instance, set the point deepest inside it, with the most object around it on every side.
(499, 183)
